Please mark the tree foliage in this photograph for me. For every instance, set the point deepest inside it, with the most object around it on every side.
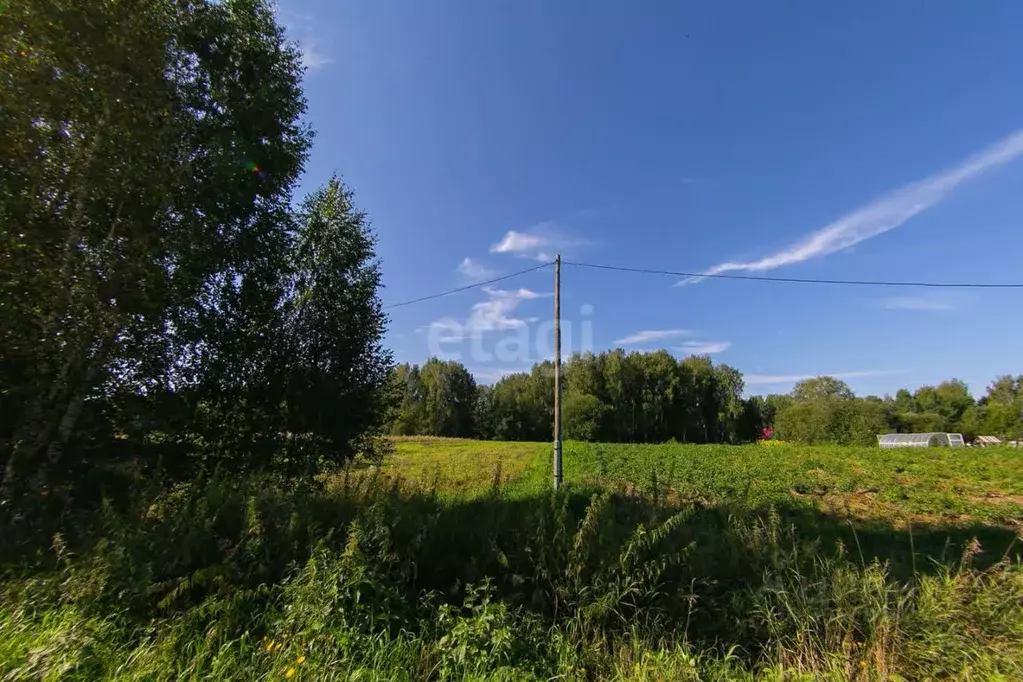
(335, 366)
(820, 388)
(653, 397)
(832, 419)
(612, 396)
(437, 399)
(157, 288)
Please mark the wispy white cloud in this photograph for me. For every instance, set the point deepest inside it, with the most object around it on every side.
(915, 303)
(301, 29)
(518, 242)
(754, 379)
(539, 242)
(474, 271)
(651, 335)
(493, 314)
(519, 294)
(704, 347)
(883, 214)
(312, 58)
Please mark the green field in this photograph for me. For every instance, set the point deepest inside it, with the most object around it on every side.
(954, 486)
(453, 560)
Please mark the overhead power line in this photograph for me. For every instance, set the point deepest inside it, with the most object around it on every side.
(797, 280)
(750, 278)
(475, 285)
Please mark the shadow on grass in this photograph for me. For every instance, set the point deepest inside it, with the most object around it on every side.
(721, 532)
(609, 558)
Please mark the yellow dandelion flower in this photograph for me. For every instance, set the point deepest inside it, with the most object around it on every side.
(290, 673)
(277, 647)
(270, 645)
(300, 660)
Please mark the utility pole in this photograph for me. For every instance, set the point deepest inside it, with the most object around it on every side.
(557, 372)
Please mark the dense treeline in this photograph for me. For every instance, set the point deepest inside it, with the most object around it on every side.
(613, 396)
(824, 410)
(161, 296)
(653, 397)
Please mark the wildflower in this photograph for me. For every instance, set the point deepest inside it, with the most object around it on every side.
(270, 645)
(300, 660)
(290, 673)
(277, 647)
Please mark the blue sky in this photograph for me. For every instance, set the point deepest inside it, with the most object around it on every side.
(864, 140)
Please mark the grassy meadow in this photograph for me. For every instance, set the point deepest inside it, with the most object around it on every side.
(453, 560)
(898, 486)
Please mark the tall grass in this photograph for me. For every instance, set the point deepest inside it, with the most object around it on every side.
(368, 579)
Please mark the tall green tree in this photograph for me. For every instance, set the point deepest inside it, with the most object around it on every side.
(820, 387)
(336, 367)
(843, 421)
(753, 419)
(773, 404)
(408, 401)
(1005, 389)
(148, 156)
(702, 404)
(729, 387)
(950, 399)
(450, 395)
(515, 414)
(582, 416)
(824, 410)
(1003, 408)
(438, 399)
(483, 413)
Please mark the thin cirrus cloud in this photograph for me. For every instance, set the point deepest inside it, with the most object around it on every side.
(474, 271)
(880, 216)
(312, 58)
(754, 379)
(704, 347)
(518, 242)
(915, 303)
(539, 242)
(651, 335)
(491, 315)
(302, 29)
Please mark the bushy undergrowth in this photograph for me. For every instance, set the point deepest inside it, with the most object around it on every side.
(364, 579)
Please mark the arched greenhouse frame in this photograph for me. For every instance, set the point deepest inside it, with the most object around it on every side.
(920, 440)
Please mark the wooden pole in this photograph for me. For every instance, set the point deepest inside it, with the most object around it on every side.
(557, 372)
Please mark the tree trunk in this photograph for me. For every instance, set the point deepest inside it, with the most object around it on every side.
(65, 428)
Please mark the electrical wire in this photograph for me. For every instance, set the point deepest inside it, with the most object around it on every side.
(698, 275)
(469, 286)
(797, 280)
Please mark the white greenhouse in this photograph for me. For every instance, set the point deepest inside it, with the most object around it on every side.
(920, 440)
